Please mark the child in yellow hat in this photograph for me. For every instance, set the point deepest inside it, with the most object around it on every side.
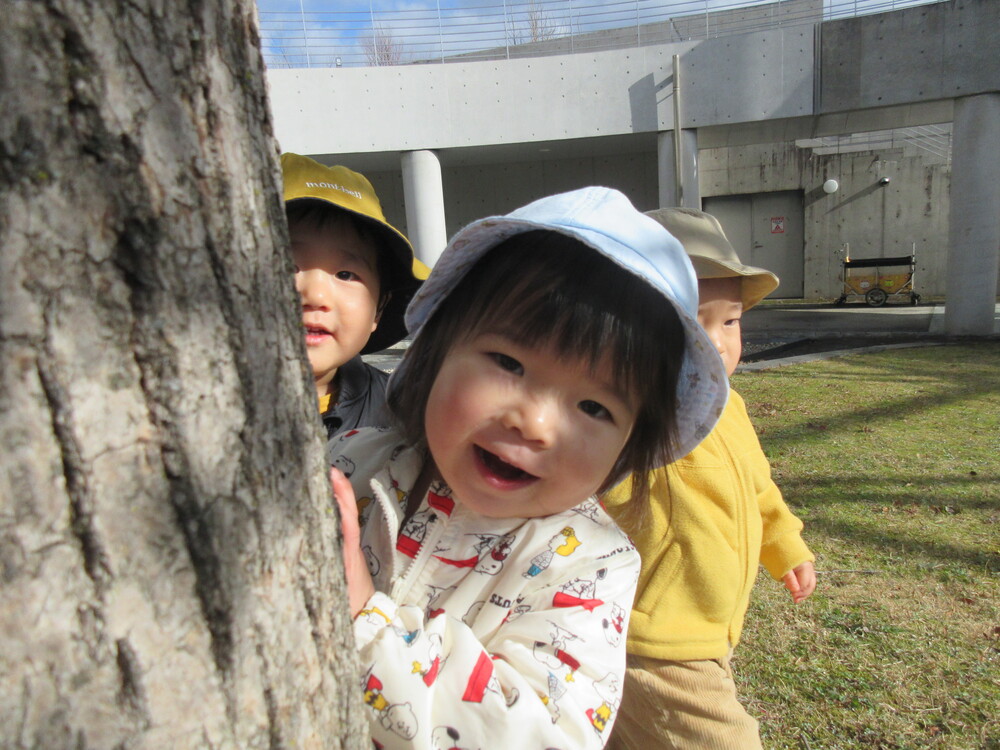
(355, 273)
(716, 515)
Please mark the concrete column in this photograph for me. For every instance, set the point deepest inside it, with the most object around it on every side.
(974, 223)
(666, 174)
(423, 194)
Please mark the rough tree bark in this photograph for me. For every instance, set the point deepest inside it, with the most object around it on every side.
(169, 559)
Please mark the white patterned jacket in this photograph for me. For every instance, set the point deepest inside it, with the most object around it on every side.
(484, 633)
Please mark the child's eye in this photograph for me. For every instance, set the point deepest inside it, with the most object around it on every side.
(347, 276)
(507, 363)
(595, 410)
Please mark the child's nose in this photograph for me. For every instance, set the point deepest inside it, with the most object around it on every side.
(537, 419)
(719, 341)
(314, 289)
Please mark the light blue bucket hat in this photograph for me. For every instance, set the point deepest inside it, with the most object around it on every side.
(604, 220)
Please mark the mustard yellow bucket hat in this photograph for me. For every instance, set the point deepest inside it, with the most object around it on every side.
(307, 179)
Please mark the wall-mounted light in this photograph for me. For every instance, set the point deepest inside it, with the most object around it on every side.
(338, 62)
(831, 186)
(884, 180)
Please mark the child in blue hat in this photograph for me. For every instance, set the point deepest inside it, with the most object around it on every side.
(555, 351)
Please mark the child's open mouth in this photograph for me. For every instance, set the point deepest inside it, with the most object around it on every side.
(316, 335)
(501, 472)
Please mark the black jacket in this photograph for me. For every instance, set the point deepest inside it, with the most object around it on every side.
(362, 399)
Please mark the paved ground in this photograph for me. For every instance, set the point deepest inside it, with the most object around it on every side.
(784, 333)
(828, 319)
(777, 334)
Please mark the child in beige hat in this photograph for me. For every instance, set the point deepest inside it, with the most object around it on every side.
(716, 515)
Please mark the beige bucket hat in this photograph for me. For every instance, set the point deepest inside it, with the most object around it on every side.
(711, 254)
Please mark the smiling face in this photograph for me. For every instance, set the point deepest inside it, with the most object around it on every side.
(720, 308)
(336, 277)
(516, 431)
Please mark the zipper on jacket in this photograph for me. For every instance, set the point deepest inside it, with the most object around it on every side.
(434, 530)
(389, 518)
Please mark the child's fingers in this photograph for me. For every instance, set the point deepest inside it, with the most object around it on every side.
(805, 575)
(343, 492)
(791, 582)
(341, 484)
(359, 581)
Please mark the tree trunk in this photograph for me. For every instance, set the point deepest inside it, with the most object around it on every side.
(170, 569)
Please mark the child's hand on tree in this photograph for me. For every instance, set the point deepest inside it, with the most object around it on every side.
(360, 587)
(800, 581)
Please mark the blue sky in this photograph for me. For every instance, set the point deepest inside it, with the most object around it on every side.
(426, 29)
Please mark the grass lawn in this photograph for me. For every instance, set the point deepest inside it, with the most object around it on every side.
(892, 460)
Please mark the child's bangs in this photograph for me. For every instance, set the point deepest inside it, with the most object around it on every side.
(580, 304)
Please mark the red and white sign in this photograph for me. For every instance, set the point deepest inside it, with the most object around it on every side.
(777, 225)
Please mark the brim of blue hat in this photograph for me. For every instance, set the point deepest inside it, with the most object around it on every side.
(703, 386)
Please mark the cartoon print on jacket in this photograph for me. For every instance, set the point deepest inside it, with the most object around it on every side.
(433, 594)
(614, 625)
(345, 464)
(450, 649)
(564, 543)
(589, 510)
(486, 555)
(561, 664)
(411, 536)
(483, 680)
(429, 668)
(374, 615)
(580, 592)
(473, 612)
(518, 609)
(609, 690)
(374, 566)
(446, 738)
(493, 551)
(396, 717)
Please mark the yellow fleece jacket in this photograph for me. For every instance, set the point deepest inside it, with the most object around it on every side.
(715, 514)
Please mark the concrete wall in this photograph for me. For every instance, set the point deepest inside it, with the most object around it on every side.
(483, 190)
(767, 74)
(929, 52)
(876, 221)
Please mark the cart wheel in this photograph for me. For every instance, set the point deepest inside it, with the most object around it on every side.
(914, 299)
(876, 297)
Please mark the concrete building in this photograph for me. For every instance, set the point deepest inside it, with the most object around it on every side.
(901, 109)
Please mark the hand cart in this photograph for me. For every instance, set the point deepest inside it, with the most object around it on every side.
(877, 279)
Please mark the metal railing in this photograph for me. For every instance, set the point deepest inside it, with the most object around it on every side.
(933, 140)
(356, 34)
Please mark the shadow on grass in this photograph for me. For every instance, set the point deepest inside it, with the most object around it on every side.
(943, 551)
(939, 388)
(866, 400)
(896, 489)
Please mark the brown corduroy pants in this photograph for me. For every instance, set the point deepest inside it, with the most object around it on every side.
(682, 705)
